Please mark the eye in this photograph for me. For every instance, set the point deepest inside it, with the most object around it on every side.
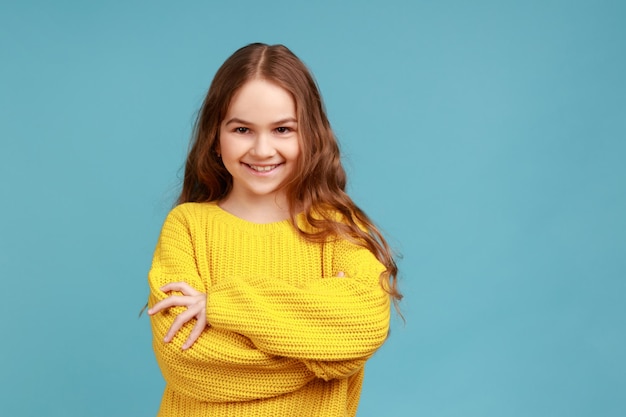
(241, 130)
(284, 129)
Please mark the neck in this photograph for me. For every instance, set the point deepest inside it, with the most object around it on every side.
(262, 209)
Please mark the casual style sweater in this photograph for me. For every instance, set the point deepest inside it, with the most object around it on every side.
(285, 335)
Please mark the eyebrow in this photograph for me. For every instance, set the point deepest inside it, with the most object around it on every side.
(244, 122)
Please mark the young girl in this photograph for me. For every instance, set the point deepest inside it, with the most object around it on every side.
(269, 287)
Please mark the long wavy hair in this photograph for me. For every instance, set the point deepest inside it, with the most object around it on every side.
(317, 188)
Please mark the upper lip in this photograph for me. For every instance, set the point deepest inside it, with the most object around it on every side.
(262, 165)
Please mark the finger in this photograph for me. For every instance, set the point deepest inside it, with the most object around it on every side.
(340, 274)
(171, 301)
(178, 323)
(182, 287)
(195, 332)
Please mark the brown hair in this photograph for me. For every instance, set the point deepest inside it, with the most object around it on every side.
(317, 187)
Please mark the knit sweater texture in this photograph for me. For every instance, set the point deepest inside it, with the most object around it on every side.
(285, 335)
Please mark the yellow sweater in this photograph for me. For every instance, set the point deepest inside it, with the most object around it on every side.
(286, 337)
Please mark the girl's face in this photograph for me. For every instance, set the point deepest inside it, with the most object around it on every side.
(259, 141)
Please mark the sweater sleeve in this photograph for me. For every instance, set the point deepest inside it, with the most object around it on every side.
(221, 365)
(333, 324)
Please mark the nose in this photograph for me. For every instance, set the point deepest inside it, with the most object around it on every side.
(262, 146)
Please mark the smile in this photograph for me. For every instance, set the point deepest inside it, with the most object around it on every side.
(262, 168)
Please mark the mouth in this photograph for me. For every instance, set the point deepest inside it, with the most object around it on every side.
(262, 168)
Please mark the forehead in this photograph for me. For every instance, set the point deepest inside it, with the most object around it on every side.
(259, 99)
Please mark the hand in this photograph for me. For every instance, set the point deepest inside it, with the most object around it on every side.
(194, 300)
(340, 274)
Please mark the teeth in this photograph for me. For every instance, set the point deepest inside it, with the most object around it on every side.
(263, 168)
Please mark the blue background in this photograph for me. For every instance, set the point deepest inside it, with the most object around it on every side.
(486, 137)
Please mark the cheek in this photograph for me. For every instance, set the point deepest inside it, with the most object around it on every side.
(295, 155)
(296, 150)
(227, 146)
